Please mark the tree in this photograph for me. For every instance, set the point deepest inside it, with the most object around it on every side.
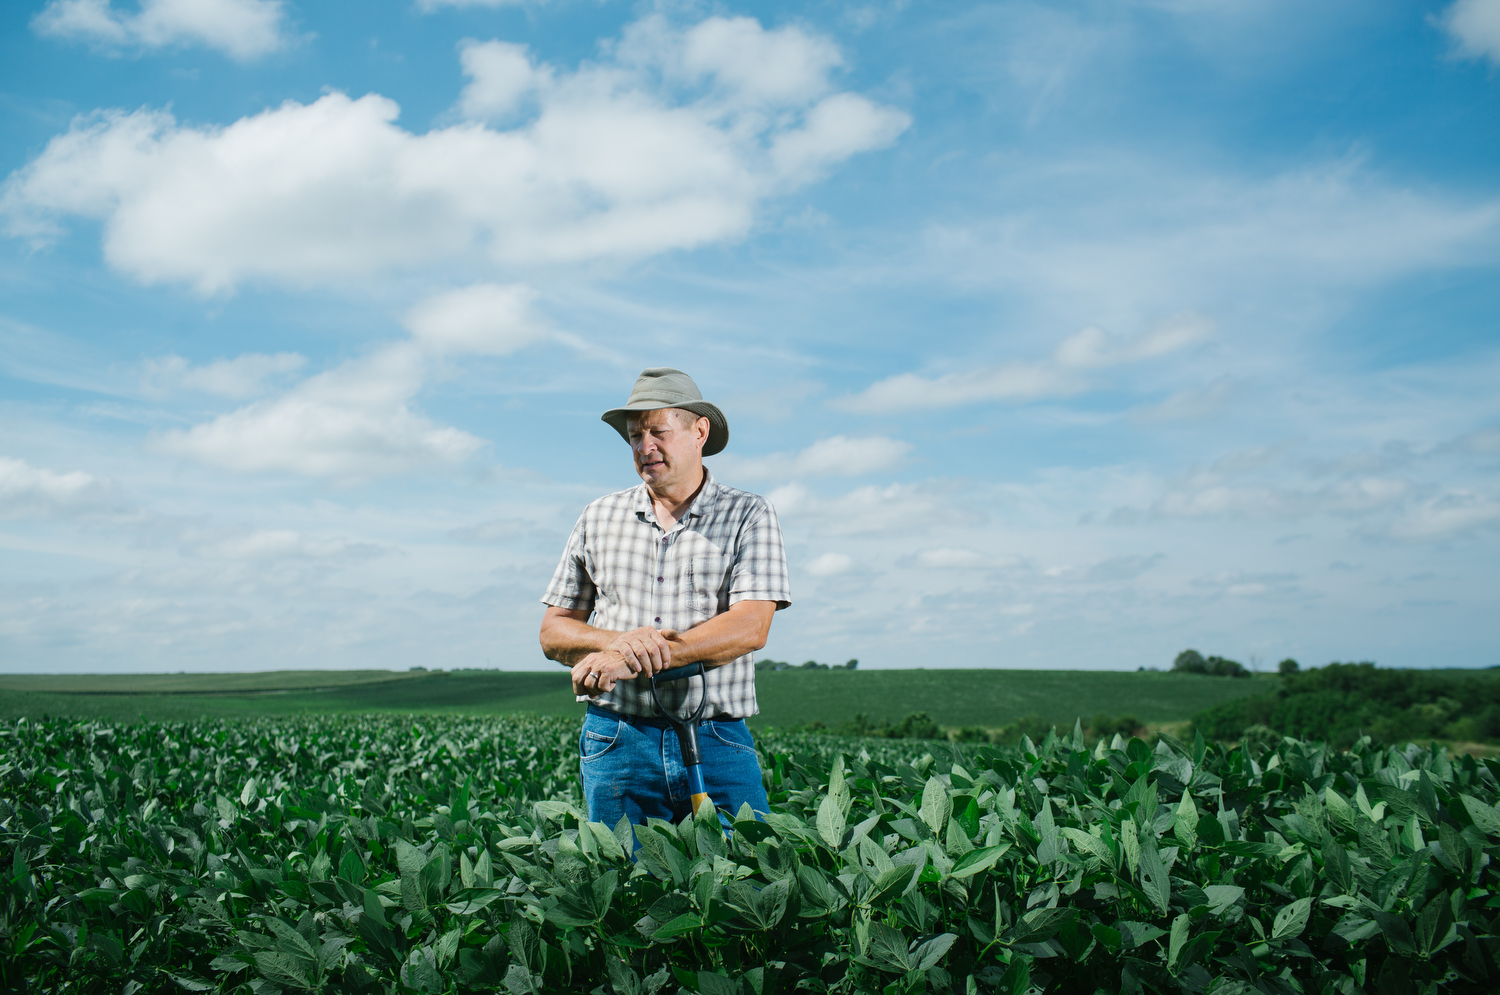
(1190, 662)
(1288, 666)
(852, 665)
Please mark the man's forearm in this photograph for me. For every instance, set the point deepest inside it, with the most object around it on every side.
(742, 629)
(568, 640)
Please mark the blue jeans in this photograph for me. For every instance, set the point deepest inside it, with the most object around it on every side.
(635, 769)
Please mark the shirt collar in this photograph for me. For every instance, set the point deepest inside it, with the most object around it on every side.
(703, 504)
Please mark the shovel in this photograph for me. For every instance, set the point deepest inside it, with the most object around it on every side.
(687, 729)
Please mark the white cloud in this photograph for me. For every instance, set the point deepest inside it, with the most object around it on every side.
(783, 66)
(500, 75)
(484, 319)
(838, 456)
(353, 422)
(238, 378)
(242, 29)
(617, 160)
(947, 558)
(1475, 26)
(27, 491)
(1446, 516)
(895, 508)
(830, 565)
(280, 544)
(356, 421)
(1090, 348)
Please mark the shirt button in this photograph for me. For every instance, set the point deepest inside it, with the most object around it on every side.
(658, 620)
(660, 579)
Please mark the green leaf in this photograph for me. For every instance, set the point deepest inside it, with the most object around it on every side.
(831, 822)
(678, 926)
(714, 983)
(605, 839)
(1154, 877)
(1486, 817)
(936, 805)
(1109, 938)
(976, 861)
(1222, 896)
(1040, 924)
(1017, 977)
(1292, 919)
(472, 900)
(764, 907)
(892, 882)
(930, 952)
(1086, 842)
(1185, 824)
(887, 949)
(1180, 927)
(818, 896)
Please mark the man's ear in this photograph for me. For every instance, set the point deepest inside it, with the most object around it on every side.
(702, 427)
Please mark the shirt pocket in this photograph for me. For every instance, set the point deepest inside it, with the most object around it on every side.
(707, 586)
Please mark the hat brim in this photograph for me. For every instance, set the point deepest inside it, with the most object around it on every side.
(718, 425)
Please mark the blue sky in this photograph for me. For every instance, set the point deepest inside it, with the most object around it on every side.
(1060, 335)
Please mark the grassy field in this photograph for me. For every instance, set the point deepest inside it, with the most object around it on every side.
(987, 698)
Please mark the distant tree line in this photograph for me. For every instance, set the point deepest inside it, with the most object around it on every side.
(809, 665)
(1343, 701)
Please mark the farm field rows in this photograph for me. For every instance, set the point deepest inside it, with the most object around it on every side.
(441, 854)
(988, 698)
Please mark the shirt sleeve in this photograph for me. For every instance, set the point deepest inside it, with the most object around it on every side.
(759, 572)
(571, 585)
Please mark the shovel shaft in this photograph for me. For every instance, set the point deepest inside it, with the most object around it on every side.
(696, 787)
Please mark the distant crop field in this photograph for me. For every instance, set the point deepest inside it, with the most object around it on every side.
(992, 697)
(987, 698)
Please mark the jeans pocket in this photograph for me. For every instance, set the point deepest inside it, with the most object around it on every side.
(598, 738)
(732, 734)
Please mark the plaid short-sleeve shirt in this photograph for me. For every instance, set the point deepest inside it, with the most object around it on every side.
(620, 565)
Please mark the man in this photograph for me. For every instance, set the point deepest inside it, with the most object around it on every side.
(676, 570)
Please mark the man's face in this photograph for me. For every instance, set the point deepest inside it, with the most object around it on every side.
(667, 444)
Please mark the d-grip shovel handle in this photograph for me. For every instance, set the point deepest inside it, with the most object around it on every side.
(687, 729)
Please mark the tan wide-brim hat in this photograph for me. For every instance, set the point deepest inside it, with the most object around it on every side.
(664, 387)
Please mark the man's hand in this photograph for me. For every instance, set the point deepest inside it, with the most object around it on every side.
(645, 650)
(598, 672)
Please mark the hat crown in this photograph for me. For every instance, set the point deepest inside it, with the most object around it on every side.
(662, 383)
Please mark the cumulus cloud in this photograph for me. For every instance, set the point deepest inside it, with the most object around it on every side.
(352, 422)
(501, 75)
(485, 319)
(1475, 27)
(242, 29)
(650, 149)
(357, 420)
(838, 456)
(238, 378)
(1088, 349)
(28, 491)
(830, 565)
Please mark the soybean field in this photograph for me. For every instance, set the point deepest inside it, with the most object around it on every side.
(446, 854)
